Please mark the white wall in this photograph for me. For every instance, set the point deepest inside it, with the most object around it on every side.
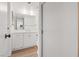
(60, 25)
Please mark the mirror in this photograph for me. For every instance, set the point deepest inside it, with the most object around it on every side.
(25, 17)
(24, 22)
(19, 23)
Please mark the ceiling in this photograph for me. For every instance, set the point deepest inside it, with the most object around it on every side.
(24, 7)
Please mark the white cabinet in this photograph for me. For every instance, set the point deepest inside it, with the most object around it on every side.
(17, 41)
(23, 40)
(29, 39)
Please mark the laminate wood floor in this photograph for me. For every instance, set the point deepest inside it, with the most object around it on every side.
(27, 52)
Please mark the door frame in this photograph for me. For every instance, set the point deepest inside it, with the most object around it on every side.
(78, 27)
(40, 48)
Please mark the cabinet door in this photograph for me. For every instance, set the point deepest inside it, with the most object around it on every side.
(17, 42)
(29, 40)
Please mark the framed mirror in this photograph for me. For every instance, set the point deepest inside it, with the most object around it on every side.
(19, 23)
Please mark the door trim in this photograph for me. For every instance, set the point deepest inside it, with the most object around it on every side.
(78, 27)
(41, 28)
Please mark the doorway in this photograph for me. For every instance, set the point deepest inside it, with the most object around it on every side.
(25, 28)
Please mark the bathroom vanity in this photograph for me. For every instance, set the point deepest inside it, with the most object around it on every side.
(24, 31)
